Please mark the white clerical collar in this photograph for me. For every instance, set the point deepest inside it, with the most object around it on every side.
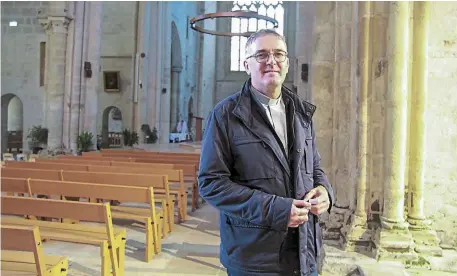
(265, 99)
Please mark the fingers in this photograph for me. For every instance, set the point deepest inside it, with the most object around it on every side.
(298, 216)
(298, 220)
(301, 204)
(320, 208)
(310, 194)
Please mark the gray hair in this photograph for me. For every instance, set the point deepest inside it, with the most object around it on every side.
(260, 33)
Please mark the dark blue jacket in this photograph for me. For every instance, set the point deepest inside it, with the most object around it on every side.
(245, 174)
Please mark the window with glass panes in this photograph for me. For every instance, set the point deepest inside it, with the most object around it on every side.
(273, 9)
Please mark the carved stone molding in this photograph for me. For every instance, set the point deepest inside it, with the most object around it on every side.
(55, 24)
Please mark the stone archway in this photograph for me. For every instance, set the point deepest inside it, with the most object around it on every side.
(12, 123)
(176, 68)
(112, 127)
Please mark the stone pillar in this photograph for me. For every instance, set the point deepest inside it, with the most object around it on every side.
(68, 76)
(93, 56)
(154, 58)
(425, 238)
(174, 96)
(77, 73)
(55, 22)
(357, 231)
(394, 241)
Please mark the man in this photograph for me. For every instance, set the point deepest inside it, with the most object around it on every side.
(260, 167)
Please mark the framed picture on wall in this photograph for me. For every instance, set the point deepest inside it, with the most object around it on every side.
(111, 81)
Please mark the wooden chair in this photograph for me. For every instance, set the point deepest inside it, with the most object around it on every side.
(22, 253)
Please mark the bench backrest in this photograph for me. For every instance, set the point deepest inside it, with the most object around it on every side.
(123, 179)
(78, 189)
(149, 153)
(188, 169)
(173, 175)
(28, 239)
(76, 210)
(47, 166)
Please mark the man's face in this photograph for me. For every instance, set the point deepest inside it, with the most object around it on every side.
(269, 73)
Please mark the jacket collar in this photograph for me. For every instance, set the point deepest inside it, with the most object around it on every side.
(243, 106)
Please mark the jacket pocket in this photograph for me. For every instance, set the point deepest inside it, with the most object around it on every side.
(309, 156)
(253, 159)
(251, 246)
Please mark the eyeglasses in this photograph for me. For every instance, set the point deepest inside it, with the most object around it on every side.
(262, 57)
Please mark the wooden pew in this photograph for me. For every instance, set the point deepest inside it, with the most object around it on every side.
(149, 153)
(111, 240)
(22, 253)
(174, 176)
(149, 216)
(137, 180)
(189, 170)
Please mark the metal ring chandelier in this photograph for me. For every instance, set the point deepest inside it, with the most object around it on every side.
(233, 14)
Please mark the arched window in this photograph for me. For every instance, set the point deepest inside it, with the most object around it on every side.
(273, 9)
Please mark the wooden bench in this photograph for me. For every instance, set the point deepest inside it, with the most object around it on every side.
(22, 253)
(174, 176)
(189, 170)
(158, 182)
(111, 240)
(149, 216)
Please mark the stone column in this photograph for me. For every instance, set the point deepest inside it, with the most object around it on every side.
(175, 96)
(394, 240)
(77, 73)
(93, 56)
(154, 58)
(425, 238)
(357, 232)
(55, 22)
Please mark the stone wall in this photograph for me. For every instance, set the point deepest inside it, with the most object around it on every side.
(441, 123)
(21, 58)
(117, 54)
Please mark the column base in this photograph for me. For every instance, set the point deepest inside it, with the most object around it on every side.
(333, 224)
(426, 239)
(394, 242)
(356, 234)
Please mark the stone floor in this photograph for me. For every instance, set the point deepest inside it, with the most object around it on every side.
(192, 249)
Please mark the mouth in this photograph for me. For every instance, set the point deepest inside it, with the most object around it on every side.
(270, 71)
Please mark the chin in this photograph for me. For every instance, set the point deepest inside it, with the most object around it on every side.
(273, 82)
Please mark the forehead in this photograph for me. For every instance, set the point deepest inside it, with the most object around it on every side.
(268, 43)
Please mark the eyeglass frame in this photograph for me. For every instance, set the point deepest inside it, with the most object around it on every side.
(269, 54)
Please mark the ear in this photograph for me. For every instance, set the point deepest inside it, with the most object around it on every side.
(246, 67)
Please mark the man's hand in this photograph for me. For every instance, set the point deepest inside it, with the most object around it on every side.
(320, 195)
(298, 213)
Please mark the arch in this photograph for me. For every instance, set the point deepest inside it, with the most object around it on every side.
(176, 68)
(111, 127)
(176, 52)
(12, 123)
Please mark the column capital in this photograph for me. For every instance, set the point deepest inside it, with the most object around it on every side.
(55, 24)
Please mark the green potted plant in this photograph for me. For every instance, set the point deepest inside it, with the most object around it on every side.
(130, 137)
(38, 136)
(85, 142)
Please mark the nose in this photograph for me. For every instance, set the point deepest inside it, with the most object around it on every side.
(271, 59)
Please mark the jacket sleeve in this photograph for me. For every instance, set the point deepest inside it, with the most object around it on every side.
(320, 178)
(231, 198)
